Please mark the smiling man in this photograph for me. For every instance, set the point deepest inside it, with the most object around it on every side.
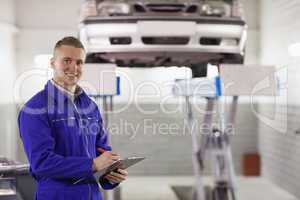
(62, 133)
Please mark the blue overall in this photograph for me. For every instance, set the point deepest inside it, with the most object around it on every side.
(60, 137)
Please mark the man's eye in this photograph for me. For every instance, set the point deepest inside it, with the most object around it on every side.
(67, 61)
(79, 62)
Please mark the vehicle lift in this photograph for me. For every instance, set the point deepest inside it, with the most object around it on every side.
(214, 142)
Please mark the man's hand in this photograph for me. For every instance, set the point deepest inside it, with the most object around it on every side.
(117, 177)
(104, 160)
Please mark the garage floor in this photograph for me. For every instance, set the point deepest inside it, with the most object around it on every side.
(158, 188)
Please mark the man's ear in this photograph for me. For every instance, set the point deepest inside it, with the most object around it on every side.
(52, 60)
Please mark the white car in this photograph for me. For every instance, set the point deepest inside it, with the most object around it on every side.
(149, 33)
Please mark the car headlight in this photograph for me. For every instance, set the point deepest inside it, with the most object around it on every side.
(88, 9)
(113, 9)
(237, 9)
(215, 8)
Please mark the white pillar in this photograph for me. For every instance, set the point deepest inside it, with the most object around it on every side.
(8, 129)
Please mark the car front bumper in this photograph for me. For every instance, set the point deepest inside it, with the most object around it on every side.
(95, 33)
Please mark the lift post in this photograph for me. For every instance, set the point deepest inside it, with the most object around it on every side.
(215, 141)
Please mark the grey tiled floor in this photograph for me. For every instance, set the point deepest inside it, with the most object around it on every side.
(158, 188)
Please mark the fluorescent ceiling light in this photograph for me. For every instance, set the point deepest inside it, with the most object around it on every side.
(294, 50)
(42, 60)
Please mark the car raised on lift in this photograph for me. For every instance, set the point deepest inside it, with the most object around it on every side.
(149, 33)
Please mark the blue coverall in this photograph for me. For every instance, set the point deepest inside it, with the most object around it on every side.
(60, 137)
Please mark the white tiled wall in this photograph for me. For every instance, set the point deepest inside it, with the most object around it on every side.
(168, 151)
(280, 150)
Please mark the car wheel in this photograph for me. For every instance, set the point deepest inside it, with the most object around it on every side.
(199, 70)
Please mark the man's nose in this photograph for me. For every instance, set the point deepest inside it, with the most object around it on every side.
(74, 66)
(77, 67)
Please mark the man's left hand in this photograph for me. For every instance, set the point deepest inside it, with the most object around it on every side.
(117, 177)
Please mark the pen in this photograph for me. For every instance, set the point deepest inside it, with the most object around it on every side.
(101, 150)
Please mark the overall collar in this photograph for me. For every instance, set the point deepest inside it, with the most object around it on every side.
(58, 93)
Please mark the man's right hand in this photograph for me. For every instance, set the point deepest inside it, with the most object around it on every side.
(104, 160)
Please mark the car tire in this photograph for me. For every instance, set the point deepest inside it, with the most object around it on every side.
(199, 70)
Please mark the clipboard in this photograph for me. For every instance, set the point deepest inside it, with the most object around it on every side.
(120, 164)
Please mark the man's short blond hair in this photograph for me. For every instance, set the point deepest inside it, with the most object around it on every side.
(69, 41)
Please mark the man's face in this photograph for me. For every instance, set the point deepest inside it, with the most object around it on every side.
(67, 64)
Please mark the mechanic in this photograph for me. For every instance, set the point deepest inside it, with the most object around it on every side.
(62, 133)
